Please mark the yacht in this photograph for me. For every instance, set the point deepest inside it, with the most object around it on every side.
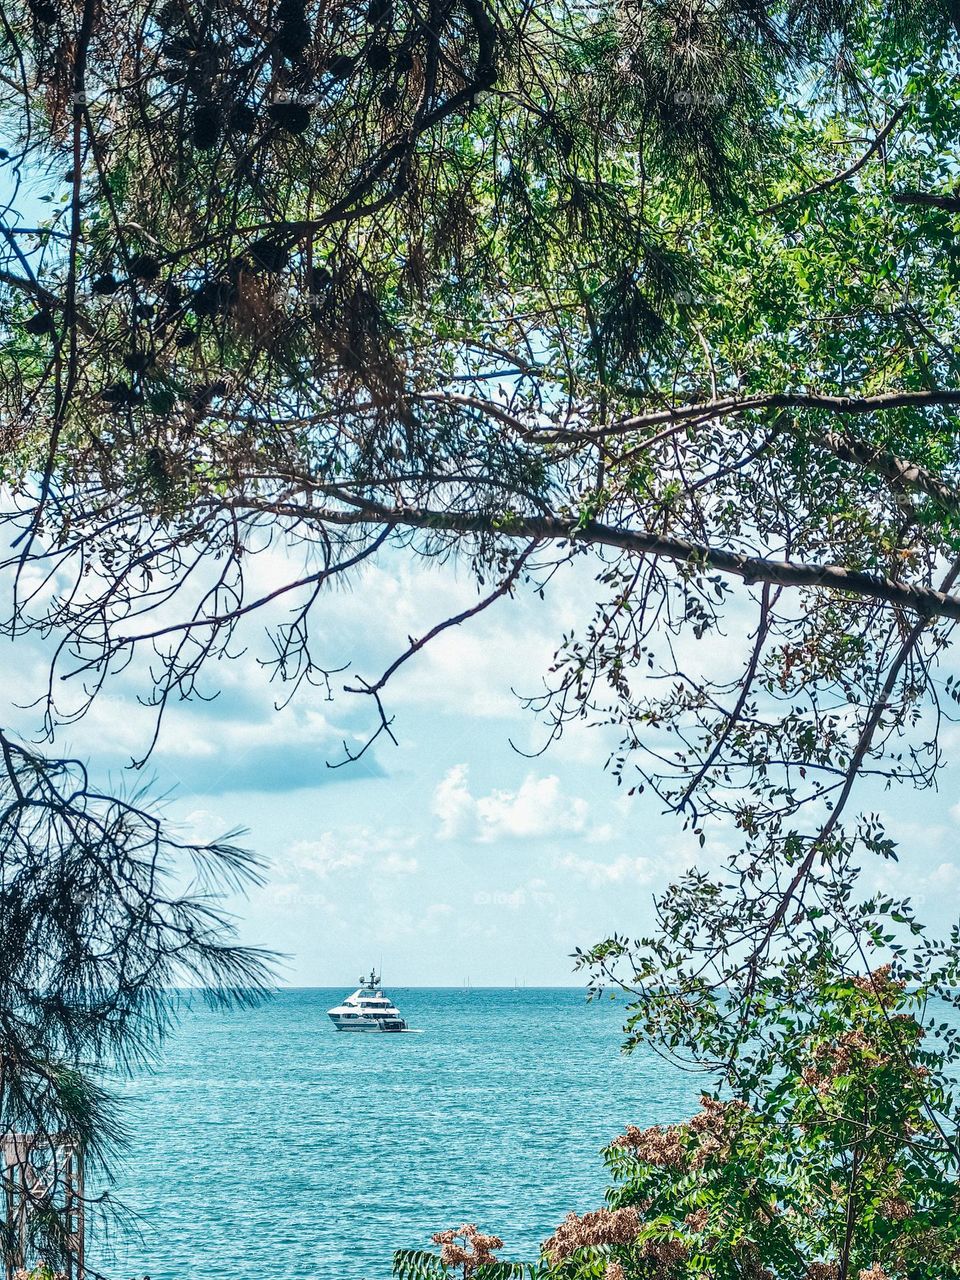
(368, 1009)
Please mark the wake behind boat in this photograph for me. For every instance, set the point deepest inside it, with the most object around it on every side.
(368, 1009)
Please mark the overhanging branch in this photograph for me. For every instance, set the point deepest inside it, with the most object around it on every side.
(900, 472)
(922, 600)
(725, 406)
(929, 199)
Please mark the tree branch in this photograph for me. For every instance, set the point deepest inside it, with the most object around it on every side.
(857, 165)
(724, 406)
(901, 473)
(923, 600)
(929, 199)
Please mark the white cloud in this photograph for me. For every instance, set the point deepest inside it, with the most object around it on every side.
(944, 876)
(203, 826)
(324, 856)
(261, 727)
(638, 870)
(452, 803)
(538, 808)
(602, 834)
(474, 667)
(392, 923)
(395, 865)
(348, 848)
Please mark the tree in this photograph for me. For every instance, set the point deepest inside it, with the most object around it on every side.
(839, 1160)
(674, 288)
(103, 915)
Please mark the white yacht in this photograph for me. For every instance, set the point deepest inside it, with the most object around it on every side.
(368, 1009)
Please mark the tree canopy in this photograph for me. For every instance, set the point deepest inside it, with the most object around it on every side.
(670, 285)
(104, 913)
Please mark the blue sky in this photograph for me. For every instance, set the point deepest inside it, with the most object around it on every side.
(450, 855)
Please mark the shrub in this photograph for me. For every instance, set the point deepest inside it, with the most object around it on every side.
(840, 1164)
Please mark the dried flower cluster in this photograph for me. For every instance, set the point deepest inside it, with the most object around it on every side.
(715, 1116)
(698, 1220)
(895, 1208)
(666, 1251)
(842, 1053)
(714, 1125)
(853, 1050)
(754, 1191)
(602, 1227)
(880, 984)
(749, 1263)
(663, 1146)
(822, 1271)
(466, 1247)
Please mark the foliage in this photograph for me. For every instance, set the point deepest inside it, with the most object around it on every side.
(103, 914)
(673, 288)
(838, 1159)
(464, 1252)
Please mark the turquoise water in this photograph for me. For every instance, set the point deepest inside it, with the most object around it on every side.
(269, 1146)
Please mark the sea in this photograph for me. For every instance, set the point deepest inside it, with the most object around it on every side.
(266, 1145)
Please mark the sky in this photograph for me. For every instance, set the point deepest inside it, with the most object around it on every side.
(452, 856)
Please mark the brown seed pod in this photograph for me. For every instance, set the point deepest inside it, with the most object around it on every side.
(169, 15)
(178, 49)
(292, 117)
(269, 254)
(172, 294)
(144, 266)
(212, 298)
(206, 126)
(293, 37)
(243, 119)
(105, 285)
(378, 57)
(44, 12)
(341, 67)
(120, 393)
(40, 323)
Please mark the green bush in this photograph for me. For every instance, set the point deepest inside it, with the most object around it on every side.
(840, 1164)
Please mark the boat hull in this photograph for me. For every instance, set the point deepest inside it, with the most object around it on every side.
(364, 1024)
